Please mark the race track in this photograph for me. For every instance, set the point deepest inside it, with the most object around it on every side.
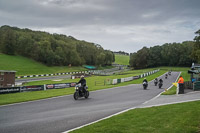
(60, 114)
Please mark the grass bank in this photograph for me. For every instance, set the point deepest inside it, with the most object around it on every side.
(26, 66)
(177, 118)
(122, 59)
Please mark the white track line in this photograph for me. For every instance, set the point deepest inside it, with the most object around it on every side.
(98, 120)
(170, 103)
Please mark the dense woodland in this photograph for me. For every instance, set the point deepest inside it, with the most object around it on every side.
(169, 54)
(62, 50)
(52, 49)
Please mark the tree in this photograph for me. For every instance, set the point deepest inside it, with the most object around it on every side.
(196, 48)
(9, 42)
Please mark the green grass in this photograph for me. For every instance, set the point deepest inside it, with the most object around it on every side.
(26, 66)
(171, 91)
(122, 59)
(176, 118)
(29, 96)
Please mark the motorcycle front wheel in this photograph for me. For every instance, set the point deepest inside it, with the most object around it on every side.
(86, 94)
(75, 95)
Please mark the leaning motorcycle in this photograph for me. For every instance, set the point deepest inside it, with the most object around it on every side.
(145, 84)
(80, 93)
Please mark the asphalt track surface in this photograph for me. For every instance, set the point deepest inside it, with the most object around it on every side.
(56, 115)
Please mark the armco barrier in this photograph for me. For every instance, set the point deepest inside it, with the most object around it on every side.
(115, 81)
(55, 74)
(118, 80)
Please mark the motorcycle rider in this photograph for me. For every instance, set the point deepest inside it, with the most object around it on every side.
(145, 80)
(160, 81)
(83, 83)
(155, 81)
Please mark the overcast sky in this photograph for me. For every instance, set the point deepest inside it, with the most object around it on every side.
(126, 25)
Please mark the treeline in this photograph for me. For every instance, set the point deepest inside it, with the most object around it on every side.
(120, 52)
(169, 54)
(52, 49)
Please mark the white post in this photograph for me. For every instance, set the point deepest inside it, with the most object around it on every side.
(177, 89)
(45, 87)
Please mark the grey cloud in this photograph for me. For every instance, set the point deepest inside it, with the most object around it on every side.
(114, 24)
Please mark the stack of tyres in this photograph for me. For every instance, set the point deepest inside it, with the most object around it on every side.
(181, 88)
(196, 86)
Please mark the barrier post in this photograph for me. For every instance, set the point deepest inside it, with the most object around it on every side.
(45, 87)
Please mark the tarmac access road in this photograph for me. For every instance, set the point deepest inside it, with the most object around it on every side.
(18, 81)
(59, 114)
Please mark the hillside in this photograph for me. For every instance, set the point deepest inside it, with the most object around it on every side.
(52, 49)
(121, 59)
(26, 66)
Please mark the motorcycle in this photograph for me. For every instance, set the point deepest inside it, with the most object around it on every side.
(80, 93)
(145, 84)
(155, 82)
(169, 73)
(166, 76)
(160, 85)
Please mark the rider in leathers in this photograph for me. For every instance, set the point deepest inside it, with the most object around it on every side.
(83, 83)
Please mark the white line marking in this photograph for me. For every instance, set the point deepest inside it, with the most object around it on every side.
(99, 120)
(169, 103)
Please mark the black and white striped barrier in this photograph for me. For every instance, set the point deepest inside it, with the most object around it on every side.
(55, 74)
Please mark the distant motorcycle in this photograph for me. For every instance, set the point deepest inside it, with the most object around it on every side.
(145, 84)
(169, 73)
(80, 93)
(155, 82)
(160, 85)
(166, 76)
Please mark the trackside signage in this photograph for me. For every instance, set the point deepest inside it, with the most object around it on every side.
(60, 86)
(35, 88)
(9, 90)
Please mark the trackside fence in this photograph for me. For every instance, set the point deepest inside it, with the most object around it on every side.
(121, 80)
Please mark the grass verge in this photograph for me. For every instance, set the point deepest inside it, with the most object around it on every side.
(171, 91)
(176, 118)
